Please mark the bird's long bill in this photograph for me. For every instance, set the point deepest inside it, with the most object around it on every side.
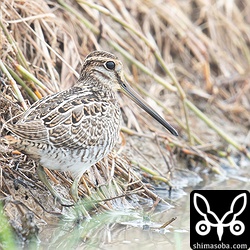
(140, 102)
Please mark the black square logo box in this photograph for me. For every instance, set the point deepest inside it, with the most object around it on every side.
(220, 219)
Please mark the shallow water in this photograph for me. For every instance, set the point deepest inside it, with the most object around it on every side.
(137, 230)
(175, 236)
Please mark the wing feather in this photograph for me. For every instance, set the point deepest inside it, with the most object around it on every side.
(31, 131)
(64, 119)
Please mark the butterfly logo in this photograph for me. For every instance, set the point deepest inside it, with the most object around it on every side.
(203, 227)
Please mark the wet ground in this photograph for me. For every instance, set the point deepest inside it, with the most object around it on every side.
(138, 230)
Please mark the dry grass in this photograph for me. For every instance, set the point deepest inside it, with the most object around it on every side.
(189, 59)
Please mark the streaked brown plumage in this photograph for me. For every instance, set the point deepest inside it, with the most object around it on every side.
(74, 129)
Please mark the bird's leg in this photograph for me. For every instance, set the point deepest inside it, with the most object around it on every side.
(74, 189)
(42, 176)
(79, 203)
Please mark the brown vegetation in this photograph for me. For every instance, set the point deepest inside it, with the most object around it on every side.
(189, 59)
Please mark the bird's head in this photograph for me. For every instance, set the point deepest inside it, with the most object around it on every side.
(108, 69)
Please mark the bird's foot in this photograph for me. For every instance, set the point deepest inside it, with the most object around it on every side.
(79, 204)
(42, 176)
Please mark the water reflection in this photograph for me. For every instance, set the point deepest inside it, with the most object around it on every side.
(136, 229)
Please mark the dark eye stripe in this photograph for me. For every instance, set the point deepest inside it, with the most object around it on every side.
(110, 65)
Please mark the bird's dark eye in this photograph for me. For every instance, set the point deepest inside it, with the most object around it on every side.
(110, 65)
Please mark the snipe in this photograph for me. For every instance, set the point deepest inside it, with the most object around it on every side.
(74, 129)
